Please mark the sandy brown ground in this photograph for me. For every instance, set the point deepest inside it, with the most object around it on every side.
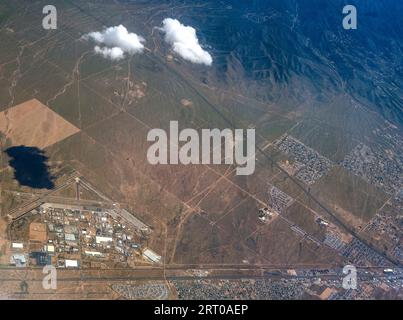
(37, 232)
(3, 228)
(4, 243)
(34, 124)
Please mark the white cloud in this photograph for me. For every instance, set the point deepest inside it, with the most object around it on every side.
(184, 42)
(114, 53)
(117, 41)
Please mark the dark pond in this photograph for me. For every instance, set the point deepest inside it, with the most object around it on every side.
(30, 167)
